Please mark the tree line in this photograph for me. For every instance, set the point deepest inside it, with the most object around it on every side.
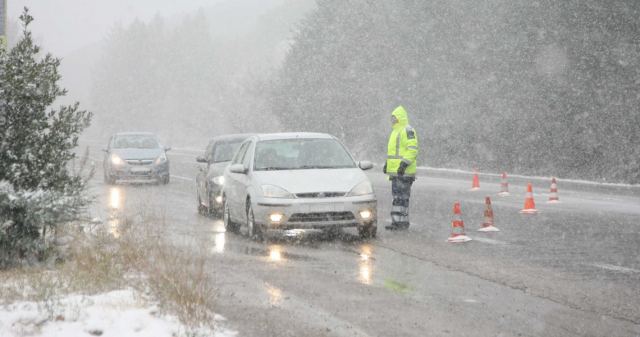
(534, 87)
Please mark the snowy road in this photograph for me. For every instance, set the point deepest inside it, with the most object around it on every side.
(571, 270)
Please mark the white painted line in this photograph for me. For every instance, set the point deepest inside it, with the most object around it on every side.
(182, 178)
(488, 174)
(612, 267)
(490, 241)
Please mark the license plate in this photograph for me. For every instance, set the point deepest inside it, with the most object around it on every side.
(140, 170)
(339, 207)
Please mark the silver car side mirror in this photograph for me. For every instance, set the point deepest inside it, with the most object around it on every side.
(365, 165)
(238, 168)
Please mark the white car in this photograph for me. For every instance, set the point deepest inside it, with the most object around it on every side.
(297, 181)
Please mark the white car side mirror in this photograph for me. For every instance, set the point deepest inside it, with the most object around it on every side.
(238, 168)
(365, 165)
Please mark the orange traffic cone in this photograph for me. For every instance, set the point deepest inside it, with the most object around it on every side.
(457, 226)
(504, 186)
(475, 185)
(529, 204)
(553, 193)
(487, 226)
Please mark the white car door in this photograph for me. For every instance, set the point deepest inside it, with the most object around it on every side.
(244, 180)
(233, 186)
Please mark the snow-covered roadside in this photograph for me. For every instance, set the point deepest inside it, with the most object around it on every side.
(120, 313)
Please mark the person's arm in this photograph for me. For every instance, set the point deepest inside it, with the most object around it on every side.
(410, 153)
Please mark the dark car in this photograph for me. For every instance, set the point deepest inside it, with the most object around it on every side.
(135, 156)
(210, 179)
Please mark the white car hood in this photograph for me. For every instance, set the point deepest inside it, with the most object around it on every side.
(313, 180)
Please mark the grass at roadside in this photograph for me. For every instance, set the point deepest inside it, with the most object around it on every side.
(99, 259)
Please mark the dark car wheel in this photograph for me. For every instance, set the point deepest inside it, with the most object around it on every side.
(202, 210)
(368, 231)
(226, 217)
(254, 230)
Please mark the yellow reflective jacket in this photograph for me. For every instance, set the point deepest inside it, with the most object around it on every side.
(402, 146)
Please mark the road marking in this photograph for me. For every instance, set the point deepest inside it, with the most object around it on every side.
(182, 178)
(181, 154)
(614, 268)
(490, 241)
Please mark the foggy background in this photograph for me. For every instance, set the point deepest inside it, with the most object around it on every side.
(531, 87)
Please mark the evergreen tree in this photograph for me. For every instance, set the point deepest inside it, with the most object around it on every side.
(37, 188)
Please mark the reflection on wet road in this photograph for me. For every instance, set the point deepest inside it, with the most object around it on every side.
(219, 237)
(115, 198)
(115, 206)
(275, 294)
(275, 253)
(365, 264)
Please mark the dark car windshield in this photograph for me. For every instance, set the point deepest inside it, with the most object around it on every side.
(135, 142)
(224, 151)
(298, 154)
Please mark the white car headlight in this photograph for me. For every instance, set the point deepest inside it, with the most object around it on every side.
(271, 191)
(219, 180)
(115, 160)
(363, 188)
(161, 158)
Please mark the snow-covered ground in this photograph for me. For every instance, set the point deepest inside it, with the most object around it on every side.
(120, 313)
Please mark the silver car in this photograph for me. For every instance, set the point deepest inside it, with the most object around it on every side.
(135, 156)
(210, 179)
(297, 181)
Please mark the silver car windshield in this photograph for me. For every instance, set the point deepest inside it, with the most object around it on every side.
(300, 154)
(135, 142)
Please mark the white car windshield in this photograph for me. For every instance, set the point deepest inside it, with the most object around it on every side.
(299, 154)
(135, 142)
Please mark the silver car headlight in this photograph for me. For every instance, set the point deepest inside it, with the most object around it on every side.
(363, 188)
(272, 191)
(116, 160)
(161, 158)
(219, 180)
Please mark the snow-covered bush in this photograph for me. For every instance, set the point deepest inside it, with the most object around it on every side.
(37, 187)
(26, 215)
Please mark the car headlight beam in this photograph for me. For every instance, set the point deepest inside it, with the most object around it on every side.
(116, 160)
(276, 217)
(219, 180)
(365, 214)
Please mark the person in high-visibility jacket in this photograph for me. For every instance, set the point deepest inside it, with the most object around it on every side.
(402, 151)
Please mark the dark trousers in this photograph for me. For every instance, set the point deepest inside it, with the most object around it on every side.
(401, 191)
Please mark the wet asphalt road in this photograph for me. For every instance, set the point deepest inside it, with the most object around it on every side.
(571, 270)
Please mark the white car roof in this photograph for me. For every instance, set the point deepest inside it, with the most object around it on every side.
(133, 133)
(293, 135)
